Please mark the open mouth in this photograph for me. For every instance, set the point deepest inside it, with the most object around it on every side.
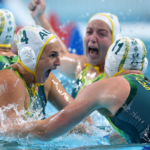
(93, 51)
(47, 73)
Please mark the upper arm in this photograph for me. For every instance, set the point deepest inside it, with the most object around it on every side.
(67, 118)
(56, 94)
(94, 96)
(68, 64)
(109, 94)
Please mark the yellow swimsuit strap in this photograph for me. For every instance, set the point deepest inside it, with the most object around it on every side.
(95, 67)
(34, 87)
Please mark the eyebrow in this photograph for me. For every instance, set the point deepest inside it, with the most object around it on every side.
(98, 29)
(54, 52)
(102, 30)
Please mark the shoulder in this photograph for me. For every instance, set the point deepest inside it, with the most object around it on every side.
(112, 85)
(108, 90)
(12, 80)
(107, 83)
(12, 88)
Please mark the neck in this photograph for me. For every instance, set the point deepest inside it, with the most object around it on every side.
(27, 76)
(98, 68)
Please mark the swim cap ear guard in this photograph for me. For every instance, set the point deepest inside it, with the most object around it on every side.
(112, 21)
(31, 42)
(126, 54)
(7, 28)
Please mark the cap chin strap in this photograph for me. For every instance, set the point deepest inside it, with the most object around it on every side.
(5, 45)
(34, 87)
(95, 67)
(35, 84)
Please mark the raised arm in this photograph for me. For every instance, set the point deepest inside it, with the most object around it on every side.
(57, 95)
(105, 95)
(86, 102)
(63, 121)
(68, 60)
(37, 8)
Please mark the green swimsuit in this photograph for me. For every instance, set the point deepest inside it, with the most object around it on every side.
(82, 81)
(5, 61)
(132, 119)
(40, 100)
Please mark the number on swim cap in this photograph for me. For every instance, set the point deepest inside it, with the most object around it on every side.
(24, 38)
(119, 45)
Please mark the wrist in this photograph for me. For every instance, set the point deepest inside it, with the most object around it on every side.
(39, 17)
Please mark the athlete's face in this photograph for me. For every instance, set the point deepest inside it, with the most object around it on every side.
(97, 40)
(49, 60)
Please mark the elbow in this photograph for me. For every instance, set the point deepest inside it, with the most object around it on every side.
(43, 136)
(41, 133)
(57, 127)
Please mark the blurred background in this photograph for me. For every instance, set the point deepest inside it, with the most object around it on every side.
(69, 18)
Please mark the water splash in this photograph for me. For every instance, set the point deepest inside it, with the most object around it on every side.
(93, 136)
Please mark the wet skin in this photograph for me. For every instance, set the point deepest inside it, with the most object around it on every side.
(49, 60)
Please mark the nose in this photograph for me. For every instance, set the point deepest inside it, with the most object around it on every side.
(93, 37)
(57, 62)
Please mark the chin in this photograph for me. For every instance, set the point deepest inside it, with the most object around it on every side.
(95, 63)
(41, 81)
(45, 80)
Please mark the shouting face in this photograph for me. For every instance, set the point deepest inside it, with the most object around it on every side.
(97, 40)
(49, 60)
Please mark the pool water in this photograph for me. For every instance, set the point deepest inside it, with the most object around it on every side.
(95, 138)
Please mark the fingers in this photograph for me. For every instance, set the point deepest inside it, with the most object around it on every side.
(37, 1)
(42, 2)
(32, 4)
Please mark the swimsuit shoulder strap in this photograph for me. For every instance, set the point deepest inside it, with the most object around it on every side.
(83, 73)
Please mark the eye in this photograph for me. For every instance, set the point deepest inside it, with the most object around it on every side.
(103, 33)
(88, 32)
(52, 55)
